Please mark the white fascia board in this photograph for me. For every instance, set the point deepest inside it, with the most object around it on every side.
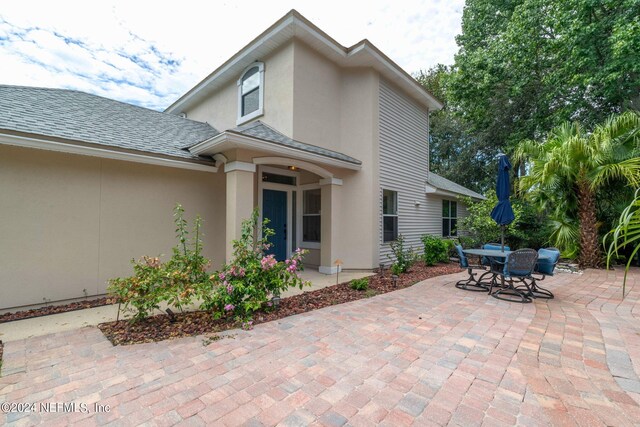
(247, 51)
(61, 147)
(429, 189)
(232, 140)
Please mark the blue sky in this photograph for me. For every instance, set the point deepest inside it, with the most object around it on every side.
(150, 53)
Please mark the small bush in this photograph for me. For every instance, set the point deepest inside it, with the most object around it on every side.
(360, 284)
(176, 282)
(403, 258)
(435, 250)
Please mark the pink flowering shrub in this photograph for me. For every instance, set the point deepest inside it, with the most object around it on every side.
(252, 277)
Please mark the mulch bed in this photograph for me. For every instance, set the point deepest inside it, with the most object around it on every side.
(55, 309)
(158, 328)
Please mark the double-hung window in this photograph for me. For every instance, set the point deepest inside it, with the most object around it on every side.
(449, 218)
(251, 93)
(311, 216)
(389, 215)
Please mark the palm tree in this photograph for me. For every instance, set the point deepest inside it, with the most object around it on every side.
(569, 167)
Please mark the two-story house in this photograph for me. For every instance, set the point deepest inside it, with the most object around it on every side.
(329, 142)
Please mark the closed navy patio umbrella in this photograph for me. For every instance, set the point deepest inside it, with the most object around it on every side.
(502, 213)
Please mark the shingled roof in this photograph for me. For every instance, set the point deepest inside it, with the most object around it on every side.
(82, 117)
(261, 131)
(444, 184)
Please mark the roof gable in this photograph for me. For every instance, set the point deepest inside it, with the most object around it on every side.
(293, 24)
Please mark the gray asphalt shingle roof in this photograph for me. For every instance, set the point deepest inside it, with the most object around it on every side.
(80, 116)
(444, 184)
(260, 130)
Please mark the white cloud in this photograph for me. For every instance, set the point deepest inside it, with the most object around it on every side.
(149, 53)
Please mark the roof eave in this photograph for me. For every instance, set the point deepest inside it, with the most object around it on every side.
(231, 140)
(431, 189)
(107, 152)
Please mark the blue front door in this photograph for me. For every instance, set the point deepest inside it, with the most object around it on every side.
(274, 207)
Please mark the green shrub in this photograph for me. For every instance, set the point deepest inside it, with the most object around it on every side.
(435, 250)
(402, 258)
(360, 284)
(529, 229)
(251, 278)
(176, 282)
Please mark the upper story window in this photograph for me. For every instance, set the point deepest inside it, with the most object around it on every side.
(251, 93)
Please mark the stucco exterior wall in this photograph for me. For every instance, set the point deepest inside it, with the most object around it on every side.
(70, 223)
(317, 99)
(220, 109)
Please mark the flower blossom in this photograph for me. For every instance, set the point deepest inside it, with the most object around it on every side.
(229, 307)
(268, 262)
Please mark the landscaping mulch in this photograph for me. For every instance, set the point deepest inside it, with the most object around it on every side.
(55, 309)
(160, 327)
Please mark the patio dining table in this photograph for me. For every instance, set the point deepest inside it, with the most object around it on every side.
(493, 253)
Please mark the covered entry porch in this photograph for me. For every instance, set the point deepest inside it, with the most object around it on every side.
(297, 187)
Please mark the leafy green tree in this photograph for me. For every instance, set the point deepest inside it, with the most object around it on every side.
(570, 165)
(526, 66)
(528, 229)
(453, 152)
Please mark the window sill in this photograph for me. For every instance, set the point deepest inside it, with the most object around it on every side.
(310, 245)
(244, 119)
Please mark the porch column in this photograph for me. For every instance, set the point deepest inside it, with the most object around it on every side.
(240, 199)
(329, 219)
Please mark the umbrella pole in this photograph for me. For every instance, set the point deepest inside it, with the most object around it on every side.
(502, 236)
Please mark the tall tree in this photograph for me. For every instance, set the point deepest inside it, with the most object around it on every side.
(453, 152)
(525, 66)
(571, 165)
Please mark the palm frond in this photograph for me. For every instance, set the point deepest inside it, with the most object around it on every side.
(626, 233)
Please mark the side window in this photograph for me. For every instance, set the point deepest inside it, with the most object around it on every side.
(389, 215)
(311, 205)
(449, 218)
(251, 93)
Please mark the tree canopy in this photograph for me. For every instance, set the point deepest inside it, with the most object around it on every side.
(526, 66)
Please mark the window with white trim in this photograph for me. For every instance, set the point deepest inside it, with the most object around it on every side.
(311, 216)
(449, 218)
(389, 215)
(251, 93)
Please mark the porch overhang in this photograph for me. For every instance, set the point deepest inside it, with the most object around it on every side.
(230, 140)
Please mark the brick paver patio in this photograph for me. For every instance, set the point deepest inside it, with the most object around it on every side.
(427, 355)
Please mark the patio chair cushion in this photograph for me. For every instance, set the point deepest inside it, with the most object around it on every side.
(548, 264)
(494, 247)
(464, 262)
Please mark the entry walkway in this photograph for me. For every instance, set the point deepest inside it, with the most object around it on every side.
(38, 326)
(426, 355)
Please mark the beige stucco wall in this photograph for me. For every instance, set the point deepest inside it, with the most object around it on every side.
(313, 100)
(220, 109)
(72, 222)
